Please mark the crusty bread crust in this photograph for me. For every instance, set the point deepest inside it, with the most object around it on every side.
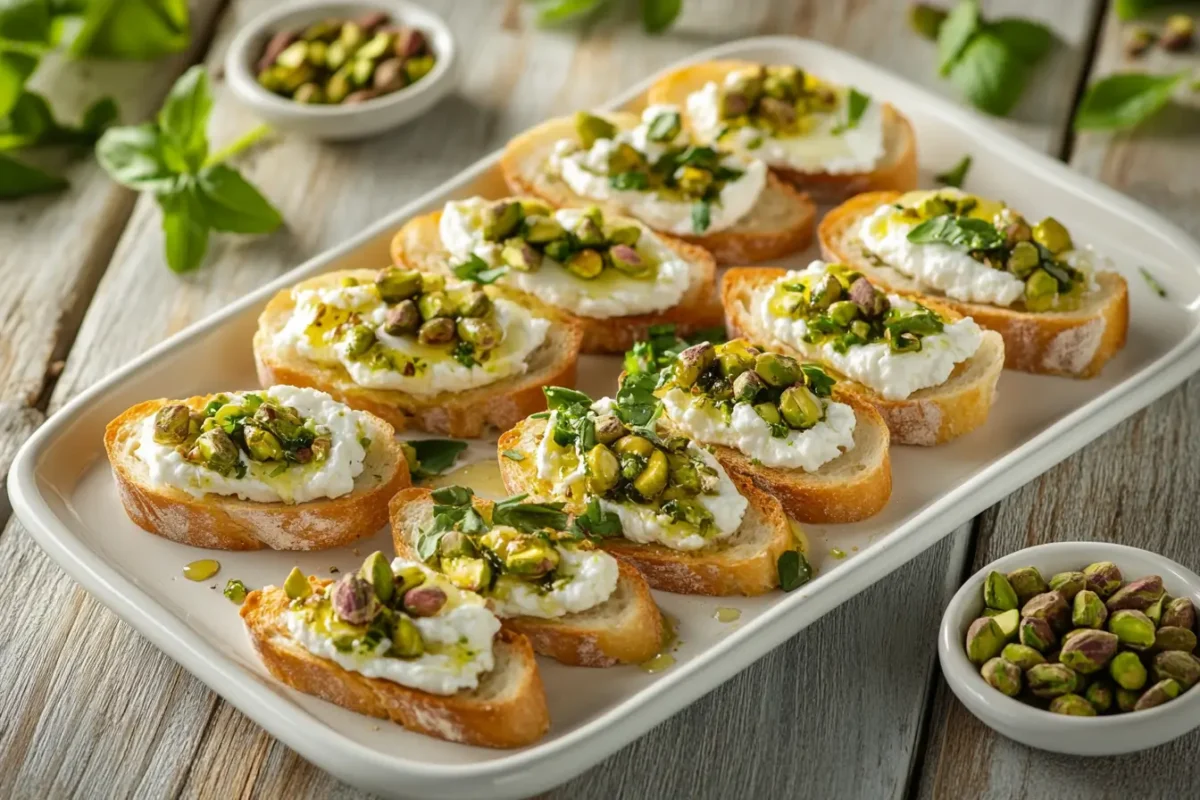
(1076, 344)
(744, 564)
(779, 224)
(464, 413)
(897, 171)
(508, 709)
(418, 245)
(929, 416)
(229, 523)
(625, 629)
(852, 487)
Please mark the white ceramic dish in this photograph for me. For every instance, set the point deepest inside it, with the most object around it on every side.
(1080, 736)
(63, 492)
(340, 122)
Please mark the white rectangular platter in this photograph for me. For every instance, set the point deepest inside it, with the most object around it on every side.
(63, 492)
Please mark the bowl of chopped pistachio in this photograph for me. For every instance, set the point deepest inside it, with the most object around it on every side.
(342, 70)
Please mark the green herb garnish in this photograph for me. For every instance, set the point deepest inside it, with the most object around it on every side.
(856, 105)
(1125, 100)
(513, 455)
(701, 216)
(476, 269)
(1152, 282)
(956, 174)
(434, 456)
(794, 570)
(965, 233)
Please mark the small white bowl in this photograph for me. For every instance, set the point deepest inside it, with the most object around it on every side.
(1081, 736)
(340, 122)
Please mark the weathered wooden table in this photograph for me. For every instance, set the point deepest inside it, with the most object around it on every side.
(852, 707)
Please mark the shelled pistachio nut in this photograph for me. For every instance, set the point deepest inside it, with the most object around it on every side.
(985, 640)
(1128, 671)
(1027, 582)
(1138, 595)
(1068, 584)
(1103, 577)
(1051, 680)
(1133, 628)
(1089, 651)
(998, 592)
(1022, 655)
(1003, 676)
(1072, 705)
(1161, 692)
(1088, 610)
(1051, 607)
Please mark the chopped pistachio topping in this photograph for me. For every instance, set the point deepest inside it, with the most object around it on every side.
(782, 100)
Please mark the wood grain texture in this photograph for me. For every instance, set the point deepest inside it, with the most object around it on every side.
(79, 720)
(1135, 485)
(56, 246)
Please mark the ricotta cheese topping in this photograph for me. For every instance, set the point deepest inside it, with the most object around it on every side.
(745, 431)
(332, 477)
(613, 294)
(458, 643)
(823, 148)
(894, 375)
(587, 173)
(583, 579)
(434, 369)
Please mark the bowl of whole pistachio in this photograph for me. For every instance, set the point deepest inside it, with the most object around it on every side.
(1084, 648)
(342, 70)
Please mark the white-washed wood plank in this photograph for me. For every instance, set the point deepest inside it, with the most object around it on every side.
(1135, 485)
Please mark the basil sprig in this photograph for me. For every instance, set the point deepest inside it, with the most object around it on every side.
(196, 192)
(794, 570)
(434, 456)
(990, 61)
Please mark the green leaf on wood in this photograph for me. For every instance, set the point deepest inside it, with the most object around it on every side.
(1124, 100)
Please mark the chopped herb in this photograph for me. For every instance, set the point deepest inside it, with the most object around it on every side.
(235, 590)
(956, 174)
(476, 269)
(365, 441)
(540, 415)
(428, 541)
(636, 181)
(757, 462)
(464, 353)
(279, 470)
(434, 456)
(529, 517)
(856, 105)
(664, 127)
(513, 455)
(794, 570)
(1152, 282)
(595, 522)
(818, 380)
(559, 397)
(701, 216)
(635, 400)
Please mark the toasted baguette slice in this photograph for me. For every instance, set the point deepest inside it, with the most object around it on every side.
(897, 170)
(228, 523)
(745, 563)
(461, 413)
(625, 629)
(930, 416)
(1076, 343)
(780, 223)
(507, 709)
(852, 487)
(418, 245)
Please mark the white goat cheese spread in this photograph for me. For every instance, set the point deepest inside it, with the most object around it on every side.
(583, 579)
(458, 644)
(820, 149)
(587, 173)
(745, 431)
(613, 294)
(332, 477)
(435, 370)
(893, 375)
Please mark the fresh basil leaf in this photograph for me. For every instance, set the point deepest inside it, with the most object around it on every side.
(15, 69)
(476, 269)
(558, 12)
(529, 517)
(131, 29)
(794, 570)
(132, 156)
(701, 216)
(965, 233)
(635, 400)
(451, 495)
(956, 31)
(1029, 40)
(714, 335)
(595, 522)
(990, 74)
(513, 455)
(472, 522)
(560, 397)
(184, 227)
(183, 119)
(657, 15)
(232, 204)
(631, 181)
(956, 174)
(818, 380)
(856, 105)
(1124, 100)
(20, 180)
(31, 122)
(435, 456)
(428, 541)
(1131, 9)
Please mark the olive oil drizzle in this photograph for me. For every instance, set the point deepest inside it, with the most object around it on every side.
(201, 570)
